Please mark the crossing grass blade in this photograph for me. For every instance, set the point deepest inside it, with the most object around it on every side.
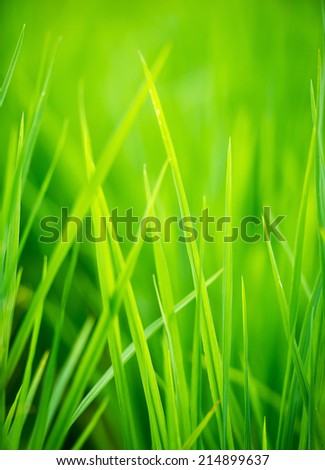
(66, 378)
(262, 391)
(200, 428)
(11, 413)
(90, 426)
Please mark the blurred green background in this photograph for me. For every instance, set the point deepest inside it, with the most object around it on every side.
(236, 68)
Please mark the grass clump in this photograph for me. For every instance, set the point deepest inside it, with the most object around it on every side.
(95, 350)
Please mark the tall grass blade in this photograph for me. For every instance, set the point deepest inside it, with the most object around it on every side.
(96, 345)
(227, 288)
(196, 371)
(247, 434)
(4, 87)
(264, 437)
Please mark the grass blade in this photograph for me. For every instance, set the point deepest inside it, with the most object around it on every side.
(248, 443)
(227, 289)
(264, 438)
(4, 87)
(198, 431)
(299, 242)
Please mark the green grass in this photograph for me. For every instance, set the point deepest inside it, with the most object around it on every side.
(163, 345)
